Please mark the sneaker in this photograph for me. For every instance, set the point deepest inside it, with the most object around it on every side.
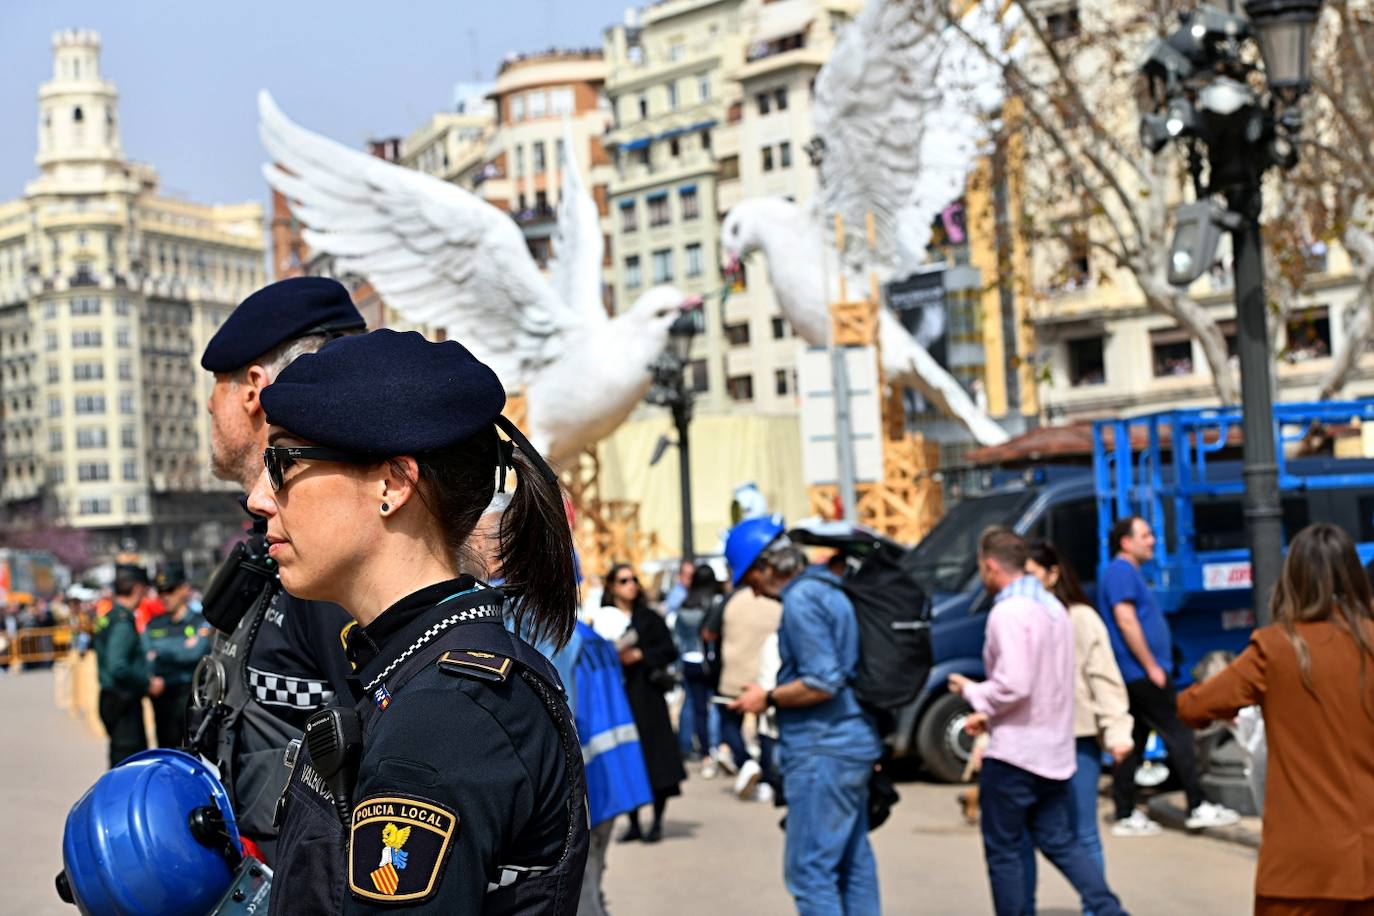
(1210, 815)
(763, 793)
(1138, 824)
(726, 760)
(709, 768)
(748, 778)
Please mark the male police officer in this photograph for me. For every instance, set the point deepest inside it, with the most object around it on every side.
(177, 640)
(122, 667)
(278, 658)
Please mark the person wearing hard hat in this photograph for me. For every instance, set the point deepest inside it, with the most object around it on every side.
(828, 744)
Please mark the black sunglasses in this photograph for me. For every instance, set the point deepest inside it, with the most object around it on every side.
(624, 579)
(279, 458)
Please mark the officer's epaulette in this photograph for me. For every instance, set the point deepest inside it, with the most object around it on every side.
(485, 666)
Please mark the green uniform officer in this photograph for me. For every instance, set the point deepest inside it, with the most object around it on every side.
(176, 642)
(123, 667)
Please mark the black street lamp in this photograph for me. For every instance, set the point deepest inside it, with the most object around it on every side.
(670, 389)
(1203, 94)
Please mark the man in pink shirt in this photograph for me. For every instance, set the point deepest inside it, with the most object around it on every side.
(1026, 705)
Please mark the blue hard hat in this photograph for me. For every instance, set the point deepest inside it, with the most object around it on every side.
(747, 540)
(130, 845)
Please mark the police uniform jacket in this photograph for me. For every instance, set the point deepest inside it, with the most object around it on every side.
(176, 646)
(468, 796)
(120, 659)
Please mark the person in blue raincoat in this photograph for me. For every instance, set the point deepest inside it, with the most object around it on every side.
(617, 780)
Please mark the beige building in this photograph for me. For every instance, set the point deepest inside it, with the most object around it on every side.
(109, 291)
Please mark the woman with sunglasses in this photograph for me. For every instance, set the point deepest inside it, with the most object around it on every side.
(451, 781)
(646, 653)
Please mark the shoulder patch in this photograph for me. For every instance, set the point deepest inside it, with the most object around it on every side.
(485, 666)
(398, 845)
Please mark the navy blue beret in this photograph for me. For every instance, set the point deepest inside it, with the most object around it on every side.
(277, 313)
(385, 393)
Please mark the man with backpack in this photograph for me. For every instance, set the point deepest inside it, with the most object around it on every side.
(828, 742)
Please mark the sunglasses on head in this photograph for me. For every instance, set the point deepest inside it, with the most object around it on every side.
(278, 459)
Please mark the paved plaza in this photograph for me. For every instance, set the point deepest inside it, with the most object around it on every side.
(719, 856)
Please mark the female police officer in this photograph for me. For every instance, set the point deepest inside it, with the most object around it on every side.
(455, 785)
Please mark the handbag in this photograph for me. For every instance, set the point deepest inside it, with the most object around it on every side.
(664, 679)
(882, 795)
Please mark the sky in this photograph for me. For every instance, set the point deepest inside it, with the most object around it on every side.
(188, 73)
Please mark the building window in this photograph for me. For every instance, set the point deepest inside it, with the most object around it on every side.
(703, 87)
(691, 207)
(128, 437)
(54, 406)
(122, 337)
(695, 263)
(658, 210)
(768, 158)
(126, 403)
(126, 370)
(85, 306)
(740, 387)
(561, 100)
(1086, 366)
(85, 338)
(676, 51)
(539, 162)
(54, 373)
(77, 115)
(780, 383)
(643, 101)
(88, 372)
(94, 507)
(559, 154)
(519, 162)
(706, 140)
(133, 504)
(121, 306)
(672, 96)
(90, 437)
(674, 148)
(737, 334)
(538, 104)
(785, 155)
(517, 108)
(779, 328)
(55, 440)
(780, 98)
(1171, 352)
(1309, 335)
(629, 216)
(88, 471)
(663, 266)
(131, 469)
(56, 473)
(697, 376)
(50, 341)
(632, 276)
(90, 403)
(764, 103)
(729, 168)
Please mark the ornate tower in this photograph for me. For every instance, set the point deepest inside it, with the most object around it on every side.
(78, 111)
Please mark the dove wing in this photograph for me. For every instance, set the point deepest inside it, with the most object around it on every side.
(578, 245)
(436, 253)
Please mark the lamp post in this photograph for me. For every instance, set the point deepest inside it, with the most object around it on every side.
(1204, 97)
(669, 389)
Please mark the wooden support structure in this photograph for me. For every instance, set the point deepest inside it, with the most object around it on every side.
(907, 502)
(605, 531)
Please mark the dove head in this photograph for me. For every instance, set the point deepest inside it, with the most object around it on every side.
(746, 226)
(660, 306)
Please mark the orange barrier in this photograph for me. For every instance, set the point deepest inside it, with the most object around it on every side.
(36, 644)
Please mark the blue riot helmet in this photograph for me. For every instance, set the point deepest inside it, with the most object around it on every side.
(747, 540)
(154, 835)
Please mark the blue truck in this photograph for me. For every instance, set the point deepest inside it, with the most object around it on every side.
(1181, 471)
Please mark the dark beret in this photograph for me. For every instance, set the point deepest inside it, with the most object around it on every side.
(275, 314)
(385, 393)
(130, 572)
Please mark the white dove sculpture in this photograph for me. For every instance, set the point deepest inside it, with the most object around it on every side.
(445, 258)
(899, 134)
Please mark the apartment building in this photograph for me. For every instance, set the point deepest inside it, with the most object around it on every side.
(109, 290)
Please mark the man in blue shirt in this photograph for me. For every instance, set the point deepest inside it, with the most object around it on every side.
(1145, 653)
(828, 744)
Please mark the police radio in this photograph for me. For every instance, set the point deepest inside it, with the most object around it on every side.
(237, 583)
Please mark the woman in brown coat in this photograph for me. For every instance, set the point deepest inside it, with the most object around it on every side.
(1312, 672)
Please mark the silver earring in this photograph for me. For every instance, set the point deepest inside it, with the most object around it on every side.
(385, 508)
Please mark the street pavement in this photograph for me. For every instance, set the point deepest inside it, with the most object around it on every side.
(719, 856)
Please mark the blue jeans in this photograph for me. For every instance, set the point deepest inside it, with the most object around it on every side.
(827, 863)
(1083, 803)
(1016, 802)
(695, 717)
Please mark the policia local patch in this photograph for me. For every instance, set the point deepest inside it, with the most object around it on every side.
(398, 845)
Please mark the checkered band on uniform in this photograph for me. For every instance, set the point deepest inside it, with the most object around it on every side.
(297, 692)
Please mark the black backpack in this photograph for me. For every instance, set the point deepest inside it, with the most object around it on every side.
(895, 654)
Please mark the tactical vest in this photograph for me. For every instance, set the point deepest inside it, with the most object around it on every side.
(313, 853)
(243, 738)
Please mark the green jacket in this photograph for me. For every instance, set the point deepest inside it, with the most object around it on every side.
(175, 648)
(119, 653)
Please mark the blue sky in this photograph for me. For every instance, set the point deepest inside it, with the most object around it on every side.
(188, 72)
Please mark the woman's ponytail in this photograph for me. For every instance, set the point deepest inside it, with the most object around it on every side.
(535, 556)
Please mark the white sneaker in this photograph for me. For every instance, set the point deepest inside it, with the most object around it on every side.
(709, 768)
(1138, 824)
(764, 793)
(748, 778)
(726, 760)
(1210, 815)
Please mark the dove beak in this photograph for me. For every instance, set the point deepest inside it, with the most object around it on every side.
(691, 302)
(731, 265)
